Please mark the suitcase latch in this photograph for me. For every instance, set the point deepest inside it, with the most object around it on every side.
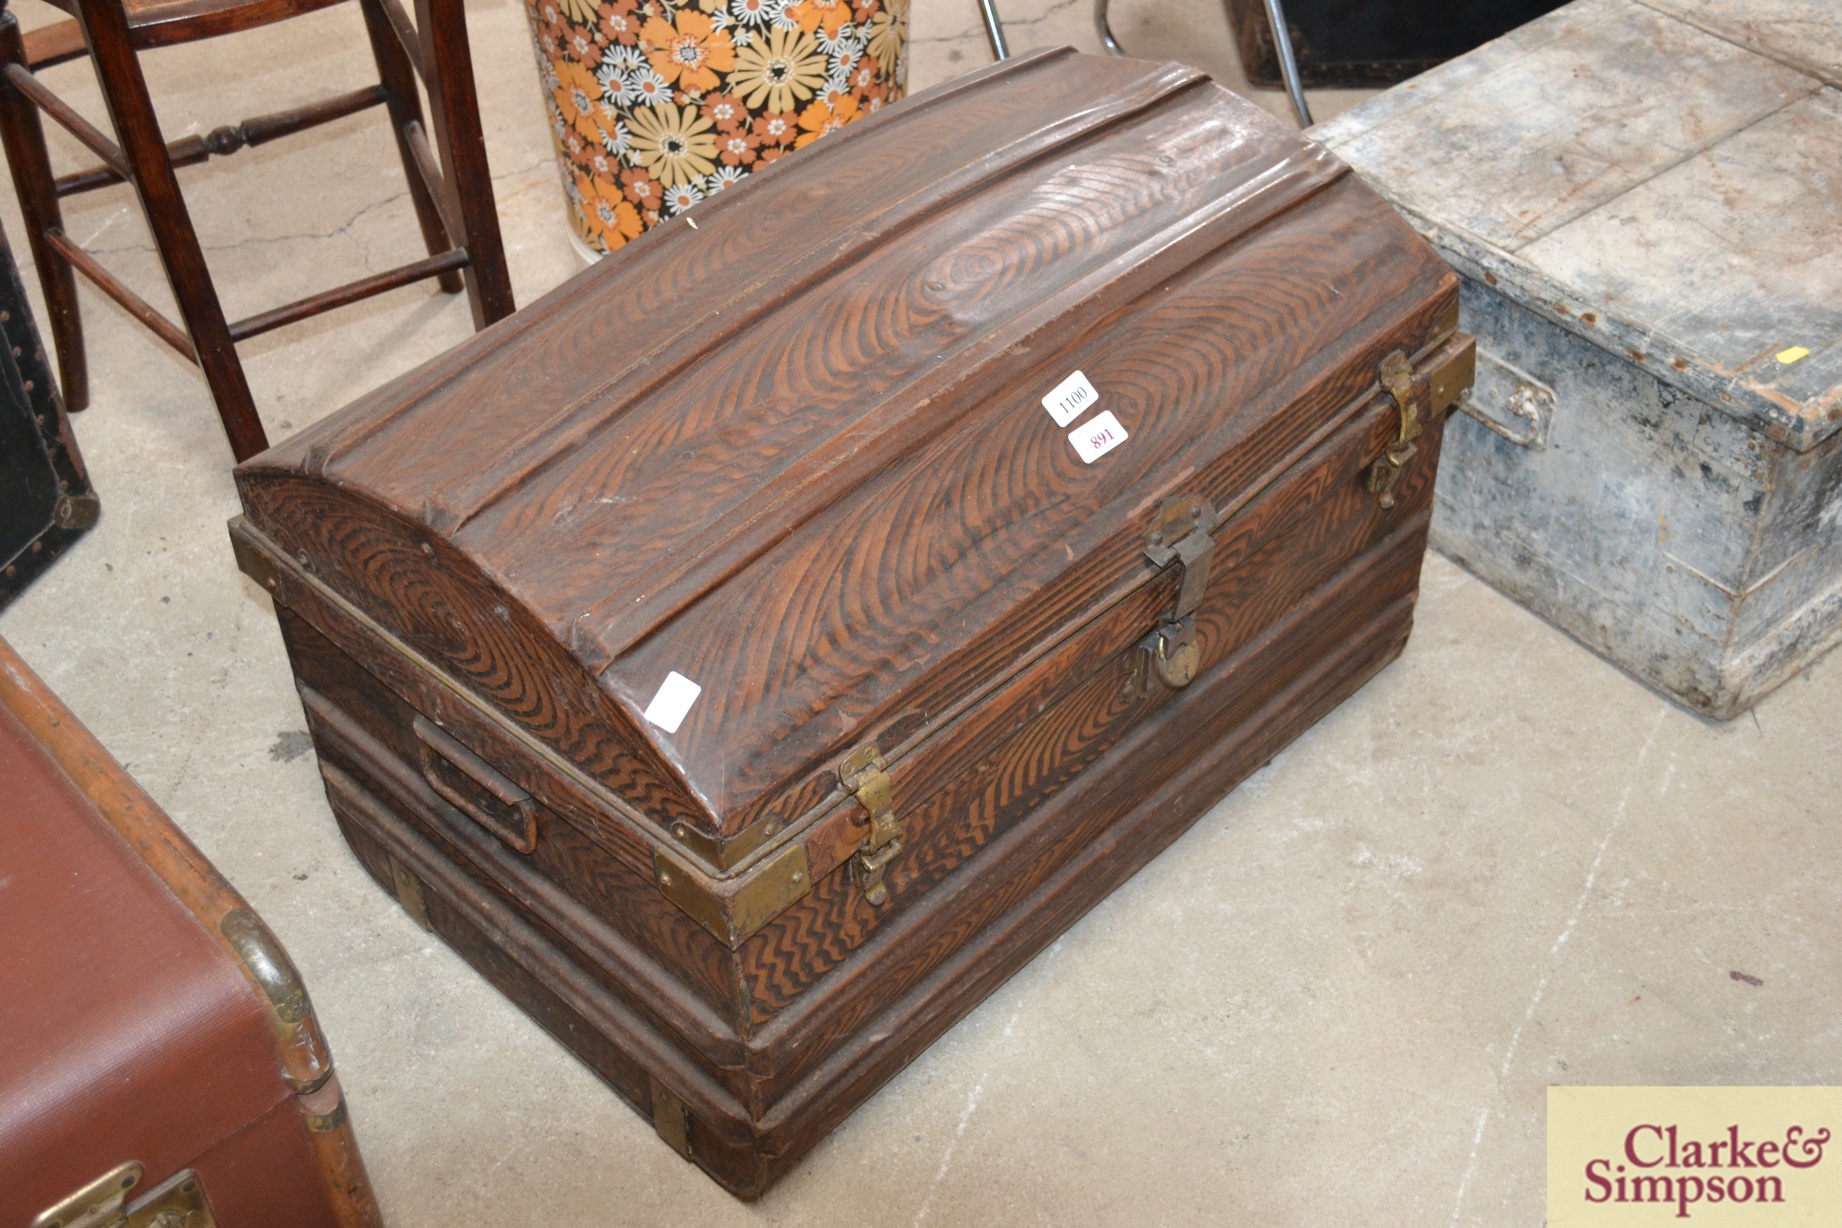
(866, 775)
(1385, 473)
(1183, 533)
(177, 1202)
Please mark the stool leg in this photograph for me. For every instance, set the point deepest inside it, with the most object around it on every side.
(1108, 43)
(23, 135)
(994, 30)
(131, 110)
(462, 149)
(398, 78)
(1288, 63)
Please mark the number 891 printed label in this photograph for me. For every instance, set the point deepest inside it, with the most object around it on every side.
(1098, 437)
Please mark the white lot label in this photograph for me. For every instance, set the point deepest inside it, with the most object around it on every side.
(1070, 399)
(1097, 438)
(676, 695)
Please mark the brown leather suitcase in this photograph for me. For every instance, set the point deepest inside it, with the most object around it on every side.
(750, 654)
(160, 1064)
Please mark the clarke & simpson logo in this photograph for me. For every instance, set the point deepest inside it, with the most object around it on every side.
(1715, 1155)
(1693, 1173)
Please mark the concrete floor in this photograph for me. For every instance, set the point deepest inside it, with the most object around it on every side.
(1338, 1000)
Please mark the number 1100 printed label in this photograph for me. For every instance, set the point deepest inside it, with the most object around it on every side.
(1070, 399)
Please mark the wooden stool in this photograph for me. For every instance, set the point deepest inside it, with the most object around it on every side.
(453, 198)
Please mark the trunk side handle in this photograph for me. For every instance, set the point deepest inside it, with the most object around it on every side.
(513, 819)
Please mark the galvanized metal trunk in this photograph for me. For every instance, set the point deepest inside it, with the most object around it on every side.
(1644, 201)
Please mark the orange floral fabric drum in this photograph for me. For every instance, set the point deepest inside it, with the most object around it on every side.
(656, 105)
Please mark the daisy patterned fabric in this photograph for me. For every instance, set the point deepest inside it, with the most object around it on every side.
(655, 105)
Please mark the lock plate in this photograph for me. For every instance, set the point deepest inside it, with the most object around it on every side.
(177, 1202)
(1183, 533)
(1175, 655)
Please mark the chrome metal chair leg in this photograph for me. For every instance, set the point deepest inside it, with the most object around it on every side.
(1107, 40)
(1288, 64)
(994, 29)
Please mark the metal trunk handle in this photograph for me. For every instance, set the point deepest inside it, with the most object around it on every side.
(506, 810)
(1529, 403)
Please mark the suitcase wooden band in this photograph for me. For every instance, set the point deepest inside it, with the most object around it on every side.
(732, 905)
(670, 355)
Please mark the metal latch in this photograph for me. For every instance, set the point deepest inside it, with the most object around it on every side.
(865, 774)
(1385, 473)
(177, 1202)
(1183, 533)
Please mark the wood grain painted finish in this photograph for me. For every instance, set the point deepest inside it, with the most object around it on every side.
(843, 448)
(1035, 732)
(757, 1107)
(773, 1032)
(826, 491)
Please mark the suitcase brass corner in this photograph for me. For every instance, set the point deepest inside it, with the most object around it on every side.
(1445, 325)
(735, 908)
(306, 1061)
